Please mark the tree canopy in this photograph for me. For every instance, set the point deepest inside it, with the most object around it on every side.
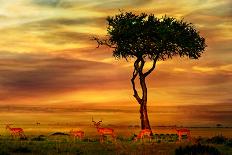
(155, 38)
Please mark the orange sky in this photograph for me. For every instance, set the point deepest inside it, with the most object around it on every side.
(47, 57)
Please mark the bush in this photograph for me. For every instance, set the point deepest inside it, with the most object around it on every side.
(165, 137)
(79, 152)
(200, 140)
(21, 149)
(197, 150)
(121, 138)
(132, 137)
(59, 134)
(4, 152)
(39, 138)
(218, 140)
(229, 142)
(23, 138)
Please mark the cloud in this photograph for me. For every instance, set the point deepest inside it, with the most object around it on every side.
(103, 4)
(212, 17)
(37, 76)
(223, 68)
(117, 4)
(52, 23)
(50, 3)
(66, 37)
(65, 60)
(221, 10)
(46, 33)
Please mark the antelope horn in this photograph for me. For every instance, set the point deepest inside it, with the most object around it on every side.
(93, 120)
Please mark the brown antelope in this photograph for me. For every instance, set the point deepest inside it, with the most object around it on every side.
(142, 133)
(16, 131)
(77, 134)
(37, 123)
(103, 131)
(180, 132)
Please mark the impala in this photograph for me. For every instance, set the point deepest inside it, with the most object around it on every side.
(143, 133)
(77, 133)
(103, 131)
(180, 132)
(16, 131)
(37, 123)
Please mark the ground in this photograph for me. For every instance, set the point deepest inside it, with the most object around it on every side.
(42, 140)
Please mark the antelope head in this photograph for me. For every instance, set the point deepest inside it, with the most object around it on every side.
(96, 124)
(8, 126)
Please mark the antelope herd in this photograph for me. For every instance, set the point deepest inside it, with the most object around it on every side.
(102, 132)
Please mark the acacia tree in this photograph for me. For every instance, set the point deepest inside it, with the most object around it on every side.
(144, 38)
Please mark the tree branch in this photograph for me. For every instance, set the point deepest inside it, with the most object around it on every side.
(103, 42)
(139, 68)
(153, 66)
(135, 73)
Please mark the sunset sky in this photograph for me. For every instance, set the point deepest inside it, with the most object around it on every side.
(47, 58)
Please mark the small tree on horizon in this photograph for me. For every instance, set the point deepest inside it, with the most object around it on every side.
(148, 38)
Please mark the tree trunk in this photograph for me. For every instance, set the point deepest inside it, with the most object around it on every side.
(138, 72)
(145, 124)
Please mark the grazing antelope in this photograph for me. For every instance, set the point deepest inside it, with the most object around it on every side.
(143, 133)
(77, 133)
(16, 131)
(37, 123)
(180, 132)
(103, 131)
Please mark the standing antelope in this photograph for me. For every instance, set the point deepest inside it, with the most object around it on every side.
(77, 133)
(103, 131)
(142, 133)
(37, 123)
(180, 132)
(16, 131)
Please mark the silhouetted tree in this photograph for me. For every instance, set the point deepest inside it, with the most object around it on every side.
(148, 38)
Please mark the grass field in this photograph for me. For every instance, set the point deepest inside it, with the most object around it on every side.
(40, 141)
(65, 145)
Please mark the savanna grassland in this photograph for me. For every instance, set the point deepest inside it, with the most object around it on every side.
(55, 139)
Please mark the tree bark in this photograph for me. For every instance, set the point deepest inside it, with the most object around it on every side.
(145, 124)
(138, 72)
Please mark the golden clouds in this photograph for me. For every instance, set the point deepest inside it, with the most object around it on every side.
(47, 55)
(225, 68)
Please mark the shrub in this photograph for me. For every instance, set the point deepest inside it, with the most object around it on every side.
(21, 149)
(121, 138)
(39, 138)
(201, 140)
(174, 137)
(59, 134)
(218, 139)
(229, 142)
(132, 137)
(79, 152)
(197, 150)
(4, 152)
(23, 138)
